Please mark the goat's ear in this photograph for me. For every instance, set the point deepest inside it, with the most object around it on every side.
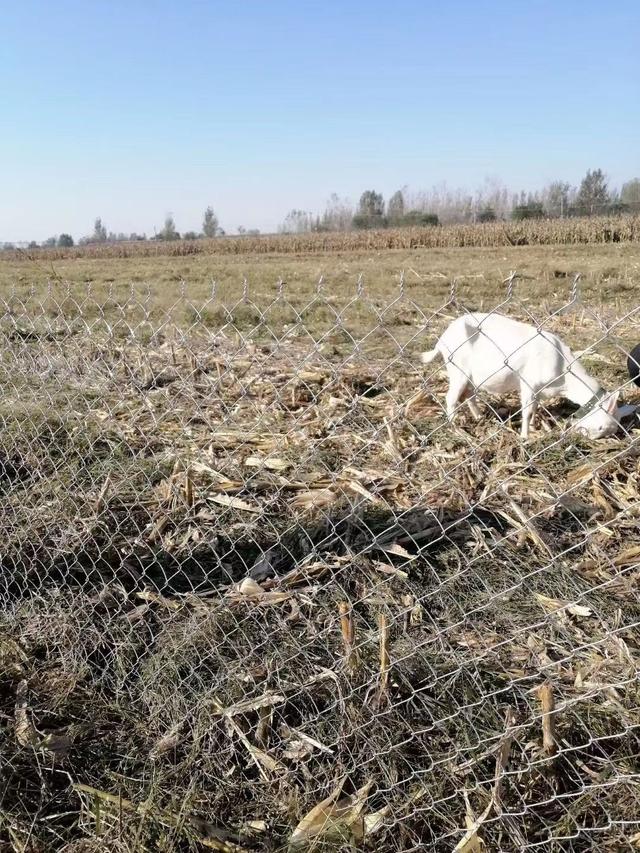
(611, 405)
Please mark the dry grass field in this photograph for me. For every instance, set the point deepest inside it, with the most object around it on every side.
(609, 276)
(259, 595)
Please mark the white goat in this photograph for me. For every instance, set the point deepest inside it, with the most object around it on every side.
(493, 353)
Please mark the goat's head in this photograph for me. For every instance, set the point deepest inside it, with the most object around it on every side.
(600, 417)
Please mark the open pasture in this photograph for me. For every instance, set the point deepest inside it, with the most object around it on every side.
(258, 594)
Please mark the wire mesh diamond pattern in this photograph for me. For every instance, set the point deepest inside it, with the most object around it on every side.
(259, 591)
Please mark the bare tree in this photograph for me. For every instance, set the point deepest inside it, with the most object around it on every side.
(493, 195)
(297, 222)
(557, 198)
(448, 205)
(337, 215)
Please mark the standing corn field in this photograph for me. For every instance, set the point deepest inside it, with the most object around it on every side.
(537, 232)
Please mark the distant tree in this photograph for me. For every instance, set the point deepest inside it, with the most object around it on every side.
(371, 204)
(241, 230)
(630, 192)
(210, 223)
(65, 241)
(362, 222)
(370, 211)
(487, 215)
(168, 231)
(492, 195)
(253, 232)
(32, 245)
(50, 241)
(619, 207)
(529, 210)
(297, 222)
(337, 215)
(137, 238)
(190, 235)
(593, 196)
(557, 198)
(448, 205)
(99, 232)
(419, 218)
(395, 207)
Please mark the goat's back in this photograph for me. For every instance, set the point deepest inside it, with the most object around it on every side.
(499, 353)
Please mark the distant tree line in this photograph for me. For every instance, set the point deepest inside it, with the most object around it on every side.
(440, 205)
(494, 202)
(210, 228)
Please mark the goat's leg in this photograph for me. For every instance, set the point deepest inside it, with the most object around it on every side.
(456, 392)
(529, 405)
(473, 407)
(469, 396)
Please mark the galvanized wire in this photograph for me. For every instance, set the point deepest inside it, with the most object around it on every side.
(260, 592)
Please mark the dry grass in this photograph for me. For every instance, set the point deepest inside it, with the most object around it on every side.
(147, 289)
(441, 632)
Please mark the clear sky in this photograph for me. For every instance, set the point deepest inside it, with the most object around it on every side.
(129, 110)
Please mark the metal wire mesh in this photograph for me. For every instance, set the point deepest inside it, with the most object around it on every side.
(259, 592)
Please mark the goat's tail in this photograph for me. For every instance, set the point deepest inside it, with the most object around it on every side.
(431, 355)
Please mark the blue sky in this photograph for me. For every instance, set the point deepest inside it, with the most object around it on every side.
(130, 110)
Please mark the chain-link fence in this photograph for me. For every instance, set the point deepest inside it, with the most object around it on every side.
(259, 593)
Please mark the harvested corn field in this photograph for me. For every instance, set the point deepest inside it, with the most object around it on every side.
(258, 594)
